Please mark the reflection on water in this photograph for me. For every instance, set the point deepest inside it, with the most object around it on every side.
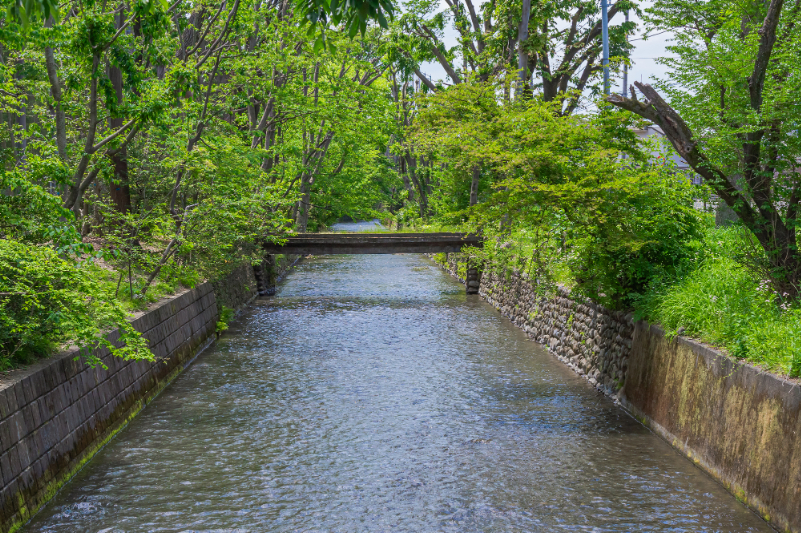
(372, 394)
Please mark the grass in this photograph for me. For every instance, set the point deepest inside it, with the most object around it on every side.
(725, 304)
(111, 286)
(116, 285)
(717, 300)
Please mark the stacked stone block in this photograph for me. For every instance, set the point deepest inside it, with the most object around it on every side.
(593, 341)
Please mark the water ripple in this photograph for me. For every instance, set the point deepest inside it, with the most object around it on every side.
(372, 394)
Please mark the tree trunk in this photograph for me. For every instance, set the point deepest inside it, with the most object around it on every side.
(304, 205)
(407, 184)
(411, 165)
(474, 185)
(55, 91)
(522, 55)
(119, 190)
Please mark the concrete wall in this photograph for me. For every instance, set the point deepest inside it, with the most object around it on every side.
(56, 414)
(739, 424)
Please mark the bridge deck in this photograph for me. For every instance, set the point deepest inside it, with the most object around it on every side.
(374, 243)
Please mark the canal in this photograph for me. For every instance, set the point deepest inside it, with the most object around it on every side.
(372, 394)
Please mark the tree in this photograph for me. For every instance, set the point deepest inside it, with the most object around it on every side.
(732, 113)
(559, 183)
(550, 50)
(558, 44)
(171, 139)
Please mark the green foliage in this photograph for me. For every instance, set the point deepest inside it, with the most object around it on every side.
(724, 303)
(22, 11)
(648, 232)
(47, 301)
(167, 140)
(352, 14)
(712, 58)
(578, 190)
(31, 214)
(732, 81)
(226, 316)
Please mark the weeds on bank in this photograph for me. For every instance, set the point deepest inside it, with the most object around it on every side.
(716, 298)
(724, 303)
(49, 302)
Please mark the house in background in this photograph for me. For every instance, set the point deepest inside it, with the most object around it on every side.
(655, 132)
(724, 215)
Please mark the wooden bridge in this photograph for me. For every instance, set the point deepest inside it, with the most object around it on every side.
(372, 243)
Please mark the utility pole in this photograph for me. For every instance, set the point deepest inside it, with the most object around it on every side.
(605, 37)
(625, 67)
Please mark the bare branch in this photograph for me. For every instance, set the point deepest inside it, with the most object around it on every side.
(223, 33)
(119, 32)
(440, 56)
(680, 136)
(114, 135)
(428, 83)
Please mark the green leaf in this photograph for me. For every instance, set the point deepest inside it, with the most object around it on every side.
(319, 44)
(353, 28)
(382, 20)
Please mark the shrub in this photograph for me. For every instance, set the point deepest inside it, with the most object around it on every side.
(47, 301)
(650, 233)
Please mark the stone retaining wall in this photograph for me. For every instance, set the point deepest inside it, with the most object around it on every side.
(55, 415)
(739, 424)
(592, 340)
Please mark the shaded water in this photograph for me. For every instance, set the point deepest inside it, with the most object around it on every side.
(372, 394)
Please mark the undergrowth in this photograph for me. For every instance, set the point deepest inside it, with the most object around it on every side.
(724, 303)
(714, 297)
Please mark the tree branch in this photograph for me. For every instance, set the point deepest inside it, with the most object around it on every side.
(206, 31)
(440, 56)
(756, 82)
(428, 83)
(113, 136)
(680, 136)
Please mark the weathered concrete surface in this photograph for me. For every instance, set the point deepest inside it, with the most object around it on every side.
(56, 414)
(736, 422)
(53, 419)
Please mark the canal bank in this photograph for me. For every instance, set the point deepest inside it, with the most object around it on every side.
(372, 394)
(739, 424)
(56, 414)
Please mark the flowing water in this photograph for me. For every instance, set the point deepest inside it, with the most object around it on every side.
(372, 394)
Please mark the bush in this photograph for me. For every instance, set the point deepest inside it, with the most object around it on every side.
(647, 234)
(47, 301)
